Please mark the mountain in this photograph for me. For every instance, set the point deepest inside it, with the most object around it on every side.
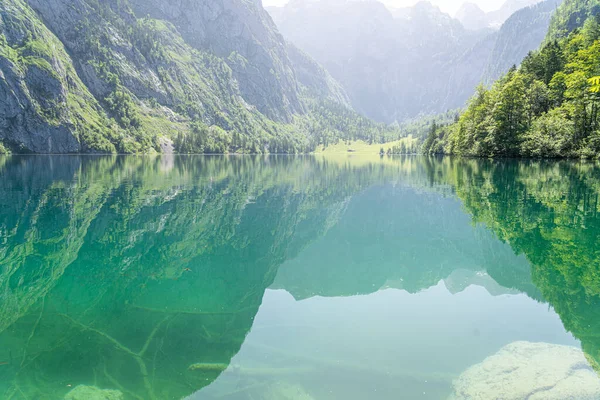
(402, 63)
(391, 67)
(498, 17)
(473, 17)
(153, 75)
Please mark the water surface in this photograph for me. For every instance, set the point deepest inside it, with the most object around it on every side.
(298, 278)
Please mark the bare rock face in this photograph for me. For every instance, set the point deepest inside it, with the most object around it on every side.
(532, 371)
(33, 92)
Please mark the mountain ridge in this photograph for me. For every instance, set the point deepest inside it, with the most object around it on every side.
(473, 17)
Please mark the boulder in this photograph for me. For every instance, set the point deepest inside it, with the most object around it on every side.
(532, 371)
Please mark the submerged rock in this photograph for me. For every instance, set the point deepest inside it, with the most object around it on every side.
(83, 392)
(208, 367)
(533, 371)
(286, 391)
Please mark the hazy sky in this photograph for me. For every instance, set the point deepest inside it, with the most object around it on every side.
(450, 6)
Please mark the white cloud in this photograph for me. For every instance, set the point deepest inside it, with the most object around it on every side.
(449, 6)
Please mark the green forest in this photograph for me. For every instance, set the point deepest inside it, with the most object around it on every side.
(548, 107)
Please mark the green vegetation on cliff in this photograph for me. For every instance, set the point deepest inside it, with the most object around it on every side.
(43, 91)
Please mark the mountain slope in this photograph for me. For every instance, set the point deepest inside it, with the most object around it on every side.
(315, 80)
(243, 28)
(498, 17)
(45, 106)
(149, 75)
(472, 16)
(521, 33)
(571, 15)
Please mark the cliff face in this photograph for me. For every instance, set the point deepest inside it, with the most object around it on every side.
(43, 103)
(132, 75)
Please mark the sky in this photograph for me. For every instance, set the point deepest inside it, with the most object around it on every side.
(449, 6)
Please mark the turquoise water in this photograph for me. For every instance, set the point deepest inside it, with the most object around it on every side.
(298, 278)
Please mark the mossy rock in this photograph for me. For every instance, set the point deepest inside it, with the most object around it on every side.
(83, 392)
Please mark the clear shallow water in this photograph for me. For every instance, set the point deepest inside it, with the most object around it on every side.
(298, 278)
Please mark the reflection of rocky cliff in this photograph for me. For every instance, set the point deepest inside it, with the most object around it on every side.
(144, 274)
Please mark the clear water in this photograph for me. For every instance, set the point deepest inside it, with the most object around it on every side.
(298, 278)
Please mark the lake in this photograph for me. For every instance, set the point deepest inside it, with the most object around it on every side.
(298, 278)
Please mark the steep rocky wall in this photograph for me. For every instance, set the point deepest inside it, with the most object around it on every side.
(43, 103)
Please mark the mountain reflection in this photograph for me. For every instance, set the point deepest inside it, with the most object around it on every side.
(144, 274)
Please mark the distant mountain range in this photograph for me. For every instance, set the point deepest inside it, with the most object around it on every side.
(473, 17)
(398, 64)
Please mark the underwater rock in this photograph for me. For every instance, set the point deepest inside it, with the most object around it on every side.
(286, 391)
(83, 392)
(533, 371)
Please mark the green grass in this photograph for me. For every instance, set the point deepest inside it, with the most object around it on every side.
(362, 147)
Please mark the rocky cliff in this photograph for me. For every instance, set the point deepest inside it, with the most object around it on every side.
(44, 105)
(134, 75)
